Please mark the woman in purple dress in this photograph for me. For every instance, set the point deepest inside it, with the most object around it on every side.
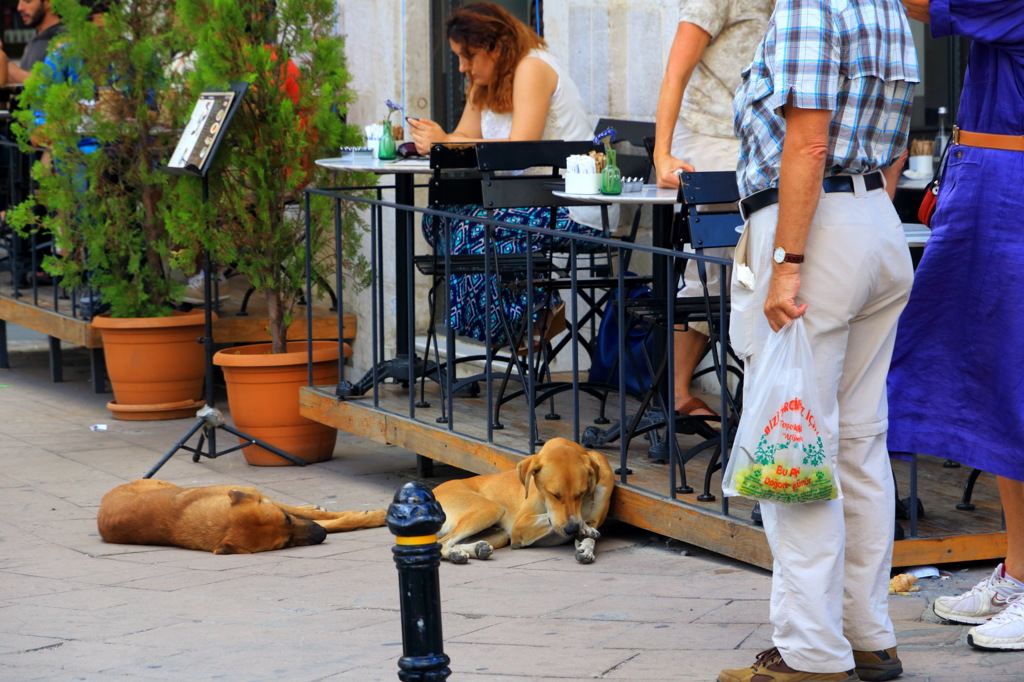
(956, 386)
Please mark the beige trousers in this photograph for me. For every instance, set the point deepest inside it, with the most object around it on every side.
(832, 559)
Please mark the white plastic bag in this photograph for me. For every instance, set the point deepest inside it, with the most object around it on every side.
(779, 454)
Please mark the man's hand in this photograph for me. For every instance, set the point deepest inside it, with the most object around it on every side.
(917, 9)
(665, 171)
(892, 174)
(780, 307)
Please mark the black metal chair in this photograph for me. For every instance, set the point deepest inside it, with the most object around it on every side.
(709, 218)
(478, 174)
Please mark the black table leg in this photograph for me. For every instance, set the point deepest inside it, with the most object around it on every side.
(405, 366)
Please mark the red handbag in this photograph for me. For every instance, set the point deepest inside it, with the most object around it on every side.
(928, 202)
(931, 192)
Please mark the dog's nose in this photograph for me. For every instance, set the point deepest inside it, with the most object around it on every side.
(318, 534)
(571, 528)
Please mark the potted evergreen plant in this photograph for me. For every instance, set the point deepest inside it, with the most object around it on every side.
(290, 116)
(101, 197)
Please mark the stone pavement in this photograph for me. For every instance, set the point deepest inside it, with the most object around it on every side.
(74, 608)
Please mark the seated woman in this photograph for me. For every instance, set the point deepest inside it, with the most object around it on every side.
(516, 91)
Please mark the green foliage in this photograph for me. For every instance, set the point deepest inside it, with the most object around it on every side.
(268, 157)
(104, 202)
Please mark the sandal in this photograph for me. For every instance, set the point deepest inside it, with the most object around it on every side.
(687, 408)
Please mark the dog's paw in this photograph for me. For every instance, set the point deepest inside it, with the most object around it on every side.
(312, 507)
(483, 550)
(458, 556)
(588, 532)
(585, 551)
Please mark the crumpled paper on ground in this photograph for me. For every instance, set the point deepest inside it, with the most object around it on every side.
(903, 584)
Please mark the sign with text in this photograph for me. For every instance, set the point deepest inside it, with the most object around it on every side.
(205, 130)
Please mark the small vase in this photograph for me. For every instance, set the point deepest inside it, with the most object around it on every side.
(386, 146)
(611, 176)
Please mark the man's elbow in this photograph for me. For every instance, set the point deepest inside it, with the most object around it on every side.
(814, 152)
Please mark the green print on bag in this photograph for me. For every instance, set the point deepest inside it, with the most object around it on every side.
(777, 473)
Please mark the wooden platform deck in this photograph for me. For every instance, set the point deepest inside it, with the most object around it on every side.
(56, 315)
(645, 497)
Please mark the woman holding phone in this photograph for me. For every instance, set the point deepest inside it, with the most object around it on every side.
(516, 91)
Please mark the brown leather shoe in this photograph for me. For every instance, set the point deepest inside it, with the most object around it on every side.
(875, 666)
(769, 667)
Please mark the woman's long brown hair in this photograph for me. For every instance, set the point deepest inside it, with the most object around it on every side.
(485, 26)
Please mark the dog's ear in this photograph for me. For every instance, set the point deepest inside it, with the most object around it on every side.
(239, 496)
(593, 470)
(526, 468)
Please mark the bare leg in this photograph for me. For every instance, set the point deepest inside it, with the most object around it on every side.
(1011, 493)
(689, 345)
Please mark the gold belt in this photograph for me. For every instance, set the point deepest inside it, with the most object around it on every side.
(1013, 143)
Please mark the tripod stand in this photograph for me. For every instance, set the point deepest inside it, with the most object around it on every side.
(209, 418)
(193, 156)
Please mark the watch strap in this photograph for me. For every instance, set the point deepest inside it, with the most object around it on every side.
(786, 257)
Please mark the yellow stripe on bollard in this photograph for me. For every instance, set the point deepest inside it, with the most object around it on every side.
(416, 540)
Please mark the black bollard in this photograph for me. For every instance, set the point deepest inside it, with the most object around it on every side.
(415, 518)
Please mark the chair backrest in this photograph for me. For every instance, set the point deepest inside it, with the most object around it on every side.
(500, 189)
(478, 173)
(455, 176)
(511, 156)
(710, 216)
(631, 157)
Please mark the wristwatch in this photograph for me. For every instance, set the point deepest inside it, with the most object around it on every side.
(782, 256)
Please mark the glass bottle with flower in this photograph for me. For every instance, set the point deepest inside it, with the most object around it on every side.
(386, 146)
(611, 176)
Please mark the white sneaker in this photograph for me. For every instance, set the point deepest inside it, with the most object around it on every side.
(985, 600)
(1004, 631)
(195, 291)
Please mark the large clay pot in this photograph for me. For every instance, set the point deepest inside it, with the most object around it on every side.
(155, 364)
(263, 396)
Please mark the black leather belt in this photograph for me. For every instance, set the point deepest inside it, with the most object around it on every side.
(835, 183)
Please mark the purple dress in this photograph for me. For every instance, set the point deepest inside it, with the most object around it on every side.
(956, 386)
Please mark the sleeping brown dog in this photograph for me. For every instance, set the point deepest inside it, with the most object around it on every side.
(568, 500)
(223, 519)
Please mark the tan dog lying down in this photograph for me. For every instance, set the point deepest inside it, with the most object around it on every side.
(223, 519)
(568, 500)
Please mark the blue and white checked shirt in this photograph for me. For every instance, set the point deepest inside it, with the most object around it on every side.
(854, 58)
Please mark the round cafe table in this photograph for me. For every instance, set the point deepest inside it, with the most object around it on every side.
(402, 366)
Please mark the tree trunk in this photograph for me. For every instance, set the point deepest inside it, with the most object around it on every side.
(278, 314)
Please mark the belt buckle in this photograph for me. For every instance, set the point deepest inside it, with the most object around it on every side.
(956, 135)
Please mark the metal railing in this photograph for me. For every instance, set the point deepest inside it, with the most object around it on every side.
(617, 407)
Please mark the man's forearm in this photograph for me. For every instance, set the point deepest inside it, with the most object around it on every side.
(804, 150)
(669, 101)
(16, 74)
(687, 49)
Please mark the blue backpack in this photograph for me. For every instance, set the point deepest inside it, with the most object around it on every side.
(604, 366)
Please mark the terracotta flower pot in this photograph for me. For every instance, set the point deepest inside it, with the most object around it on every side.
(263, 396)
(155, 364)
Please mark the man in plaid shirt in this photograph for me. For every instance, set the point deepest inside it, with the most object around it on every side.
(823, 115)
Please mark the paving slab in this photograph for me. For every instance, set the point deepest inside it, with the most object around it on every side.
(650, 609)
